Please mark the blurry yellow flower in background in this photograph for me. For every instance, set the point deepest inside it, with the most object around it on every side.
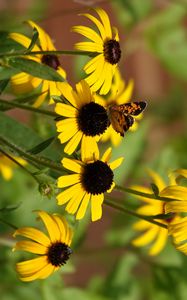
(89, 180)
(178, 230)
(53, 250)
(84, 120)
(7, 166)
(120, 93)
(23, 82)
(152, 235)
(105, 48)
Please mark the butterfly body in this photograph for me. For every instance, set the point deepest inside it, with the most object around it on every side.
(121, 116)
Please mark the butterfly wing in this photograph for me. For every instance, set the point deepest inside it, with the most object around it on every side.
(120, 122)
(133, 108)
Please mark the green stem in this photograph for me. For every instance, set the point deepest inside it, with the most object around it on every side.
(33, 158)
(28, 107)
(9, 224)
(132, 213)
(59, 52)
(146, 195)
(20, 165)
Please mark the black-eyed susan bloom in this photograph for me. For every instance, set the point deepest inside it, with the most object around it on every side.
(23, 82)
(84, 120)
(105, 47)
(7, 166)
(53, 249)
(153, 235)
(89, 180)
(120, 93)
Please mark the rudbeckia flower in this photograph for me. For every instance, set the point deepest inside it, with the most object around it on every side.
(85, 121)
(152, 235)
(89, 180)
(53, 249)
(120, 93)
(7, 166)
(104, 46)
(178, 229)
(23, 82)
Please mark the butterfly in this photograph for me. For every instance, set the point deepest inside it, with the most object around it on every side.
(121, 116)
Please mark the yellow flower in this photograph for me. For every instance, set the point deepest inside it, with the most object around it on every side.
(53, 250)
(178, 230)
(7, 165)
(22, 82)
(119, 94)
(105, 47)
(84, 120)
(153, 235)
(89, 180)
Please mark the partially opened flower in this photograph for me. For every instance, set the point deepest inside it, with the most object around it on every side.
(120, 93)
(104, 46)
(84, 120)
(7, 166)
(153, 235)
(53, 250)
(89, 180)
(23, 82)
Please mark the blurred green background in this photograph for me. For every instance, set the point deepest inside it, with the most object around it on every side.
(104, 265)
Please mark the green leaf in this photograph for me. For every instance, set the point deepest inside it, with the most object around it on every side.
(8, 208)
(6, 72)
(3, 84)
(42, 146)
(35, 69)
(33, 41)
(155, 189)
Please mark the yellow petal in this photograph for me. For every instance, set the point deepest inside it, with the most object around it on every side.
(31, 247)
(157, 179)
(50, 225)
(65, 110)
(176, 192)
(67, 92)
(116, 163)
(23, 40)
(73, 143)
(28, 267)
(89, 149)
(141, 225)
(69, 193)
(106, 22)
(176, 206)
(98, 24)
(75, 201)
(107, 155)
(41, 274)
(6, 172)
(160, 242)
(33, 234)
(89, 33)
(82, 209)
(108, 69)
(72, 165)
(146, 238)
(67, 180)
(96, 206)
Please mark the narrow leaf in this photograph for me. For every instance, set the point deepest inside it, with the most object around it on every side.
(35, 69)
(3, 84)
(33, 41)
(42, 146)
(6, 72)
(155, 189)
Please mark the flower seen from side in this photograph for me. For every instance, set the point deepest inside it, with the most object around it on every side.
(23, 82)
(89, 180)
(53, 250)
(7, 166)
(153, 236)
(105, 47)
(83, 120)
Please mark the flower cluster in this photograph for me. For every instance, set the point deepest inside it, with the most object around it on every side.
(98, 109)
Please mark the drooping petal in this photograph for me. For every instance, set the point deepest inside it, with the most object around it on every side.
(33, 234)
(89, 149)
(50, 225)
(30, 247)
(82, 208)
(96, 206)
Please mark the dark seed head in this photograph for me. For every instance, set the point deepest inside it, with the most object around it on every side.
(112, 51)
(93, 119)
(97, 177)
(51, 61)
(58, 254)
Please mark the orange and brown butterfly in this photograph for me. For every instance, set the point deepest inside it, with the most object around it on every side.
(121, 116)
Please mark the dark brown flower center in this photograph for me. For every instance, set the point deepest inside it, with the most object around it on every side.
(58, 254)
(97, 177)
(93, 119)
(112, 51)
(51, 61)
